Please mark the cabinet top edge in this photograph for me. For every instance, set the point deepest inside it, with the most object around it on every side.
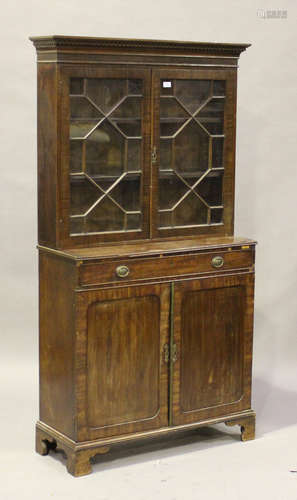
(56, 42)
(152, 248)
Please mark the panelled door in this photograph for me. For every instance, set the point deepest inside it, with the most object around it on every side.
(193, 151)
(105, 154)
(123, 370)
(212, 347)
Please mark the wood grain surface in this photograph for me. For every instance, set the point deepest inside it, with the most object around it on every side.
(213, 332)
(121, 373)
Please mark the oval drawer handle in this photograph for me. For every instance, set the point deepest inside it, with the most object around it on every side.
(217, 261)
(122, 271)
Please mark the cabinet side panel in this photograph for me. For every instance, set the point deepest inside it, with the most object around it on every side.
(56, 342)
(47, 154)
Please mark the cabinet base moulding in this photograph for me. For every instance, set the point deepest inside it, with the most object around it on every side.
(80, 454)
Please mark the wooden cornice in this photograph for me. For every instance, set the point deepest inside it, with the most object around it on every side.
(94, 44)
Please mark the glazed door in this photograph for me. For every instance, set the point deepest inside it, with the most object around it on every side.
(193, 152)
(124, 369)
(105, 154)
(212, 343)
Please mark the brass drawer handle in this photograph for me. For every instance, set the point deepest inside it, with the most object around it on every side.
(122, 271)
(217, 261)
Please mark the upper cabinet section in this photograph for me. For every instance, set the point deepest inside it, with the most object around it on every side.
(136, 139)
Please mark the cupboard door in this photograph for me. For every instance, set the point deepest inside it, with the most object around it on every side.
(213, 324)
(105, 154)
(125, 378)
(194, 134)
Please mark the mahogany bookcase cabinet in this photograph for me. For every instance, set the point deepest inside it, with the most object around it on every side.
(146, 296)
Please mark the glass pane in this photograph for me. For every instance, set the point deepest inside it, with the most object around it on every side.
(192, 93)
(134, 155)
(80, 129)
(133, 221)
(102, 120)
(135, 87)
(106, 216)
(217, 152)
(165, 154)
(191, 148)
(211, 116)
(104, 185)
(77, 225)
(105, 151)
(167, 87)
(219, 87)
(83, 195)
(80, 107)
(165, 218)
(191, 211)
(171, 189)
(216, 215)
(76, 156)
(172, 116)
(127, 116)
(83, 116)
(126, 193)
(106, 93)
(210, 188)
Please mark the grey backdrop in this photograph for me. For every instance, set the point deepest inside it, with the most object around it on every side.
(266, 185)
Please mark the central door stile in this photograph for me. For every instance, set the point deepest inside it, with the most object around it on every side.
(155, 148)
(152, 144)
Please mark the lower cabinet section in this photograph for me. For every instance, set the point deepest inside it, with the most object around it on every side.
(135, 361)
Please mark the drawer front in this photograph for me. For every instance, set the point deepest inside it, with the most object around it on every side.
(163, 267)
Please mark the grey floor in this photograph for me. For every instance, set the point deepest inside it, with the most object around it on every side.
(208, 463)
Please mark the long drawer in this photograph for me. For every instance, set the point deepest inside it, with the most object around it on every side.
(162, 267)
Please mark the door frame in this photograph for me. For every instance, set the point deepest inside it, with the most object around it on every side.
(246, 280)
(84, 299)
(230, 76)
